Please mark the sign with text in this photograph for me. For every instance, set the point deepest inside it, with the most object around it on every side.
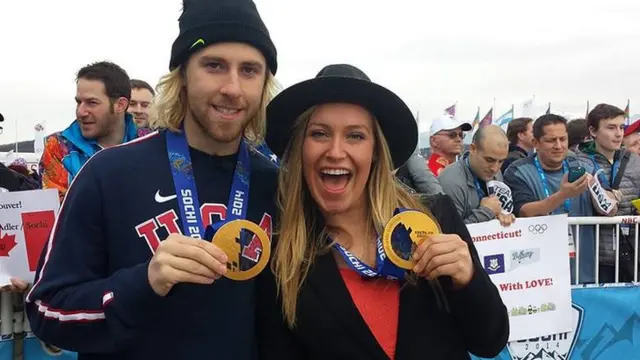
(530, 267)
(605, 326)
(26, 220)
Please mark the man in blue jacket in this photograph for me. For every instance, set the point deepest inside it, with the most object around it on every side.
(126, 273)
(102, 98)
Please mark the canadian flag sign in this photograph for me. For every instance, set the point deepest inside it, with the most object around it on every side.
(26, 220)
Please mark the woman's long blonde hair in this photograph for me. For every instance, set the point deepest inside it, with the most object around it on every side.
(169, 106)
(300, 234)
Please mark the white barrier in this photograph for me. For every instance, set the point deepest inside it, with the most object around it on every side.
(14, 324)
(577, 222)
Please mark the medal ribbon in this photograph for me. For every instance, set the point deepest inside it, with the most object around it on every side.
(479, 189)
(614, 171)
(384, 267)
(545, 184)
(187, 194)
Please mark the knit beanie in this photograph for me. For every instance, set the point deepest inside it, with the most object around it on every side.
(206, 22)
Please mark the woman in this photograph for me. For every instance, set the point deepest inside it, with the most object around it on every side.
(339, 137)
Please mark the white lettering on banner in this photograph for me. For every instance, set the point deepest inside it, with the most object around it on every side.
(358, 265)
(531, 272)
(383, 255)
(503, 192)
(238, 202)
(599, 195)
(190, 214)
(555, 346)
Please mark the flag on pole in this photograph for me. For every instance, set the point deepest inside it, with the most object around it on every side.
(626, 113)
(527, 107)
(476, 120)
(587, 114)
(487, 119)
(505, 118)
(451, 110)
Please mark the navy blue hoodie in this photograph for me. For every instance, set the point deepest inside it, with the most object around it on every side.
(92, 293)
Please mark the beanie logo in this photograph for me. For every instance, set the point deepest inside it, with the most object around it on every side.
(197, 42)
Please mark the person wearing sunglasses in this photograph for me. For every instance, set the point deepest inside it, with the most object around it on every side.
(445, 138)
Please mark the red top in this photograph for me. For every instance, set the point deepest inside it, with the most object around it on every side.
(379, 304)
(436, 163)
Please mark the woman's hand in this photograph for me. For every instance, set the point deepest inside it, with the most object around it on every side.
(444, 255)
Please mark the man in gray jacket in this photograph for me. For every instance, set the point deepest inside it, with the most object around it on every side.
(466, 180)
(415, 174)
(621, 175)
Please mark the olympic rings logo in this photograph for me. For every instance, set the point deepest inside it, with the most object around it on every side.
(538, 228)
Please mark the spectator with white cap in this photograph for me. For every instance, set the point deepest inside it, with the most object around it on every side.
(445, 138)
(631, 140)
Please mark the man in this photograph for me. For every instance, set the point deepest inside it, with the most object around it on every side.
(540, 186)
(119, 280)
(415, 174)
(620, 174)
(631, 140)
(520, 135)
(466, 180)
(102, 98)
(446, 134)
(578, 133)
(141, 96)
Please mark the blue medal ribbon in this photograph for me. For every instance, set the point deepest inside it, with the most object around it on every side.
(614, 171)
(384, 267)
(545, 184)
(187, 194)
(481, 194)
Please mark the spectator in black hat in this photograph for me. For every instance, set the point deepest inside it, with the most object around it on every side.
(339, 137)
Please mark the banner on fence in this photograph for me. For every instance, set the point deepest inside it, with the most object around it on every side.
(606, 326)
(26, 219)
(528, 262)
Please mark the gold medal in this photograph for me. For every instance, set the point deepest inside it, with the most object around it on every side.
(256, 252)
(418, 224)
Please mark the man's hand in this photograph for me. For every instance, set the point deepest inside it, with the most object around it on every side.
(570, 190)
(181, 259)
(17, 285)
(493, 203)
(506, 219)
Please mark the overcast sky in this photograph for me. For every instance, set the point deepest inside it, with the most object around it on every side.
(431, 53)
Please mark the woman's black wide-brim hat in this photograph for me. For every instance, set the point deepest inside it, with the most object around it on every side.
(343, 84)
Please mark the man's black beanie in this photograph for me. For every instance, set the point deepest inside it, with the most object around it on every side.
(206, 22)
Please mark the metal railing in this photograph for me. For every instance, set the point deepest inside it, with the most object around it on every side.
(596, 221)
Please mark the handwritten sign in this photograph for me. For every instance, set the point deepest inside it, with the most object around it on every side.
(26, 220)
(530, 268)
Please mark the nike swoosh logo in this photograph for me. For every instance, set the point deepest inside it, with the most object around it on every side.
(197, 42)
(163, 199)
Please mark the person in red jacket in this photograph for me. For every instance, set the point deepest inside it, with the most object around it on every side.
(445, 139)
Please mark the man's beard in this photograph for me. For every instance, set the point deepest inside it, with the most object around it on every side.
(220, 131)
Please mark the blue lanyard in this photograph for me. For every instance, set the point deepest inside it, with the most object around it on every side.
(614, 171)
(545, 184)
(185, 185)
(479, 189)
(384, 267)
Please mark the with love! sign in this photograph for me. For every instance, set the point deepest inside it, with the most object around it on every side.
(530, 268)
(26, 220)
